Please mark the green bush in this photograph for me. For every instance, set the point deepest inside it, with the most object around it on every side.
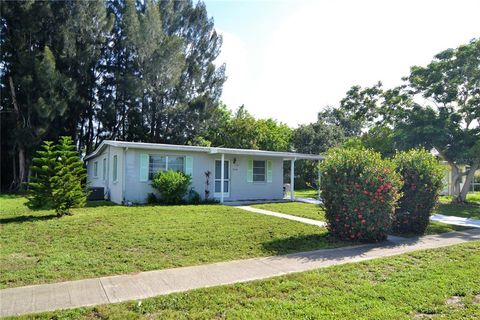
(172, 185)
(422, 176)
(360, 192)
(152, 198)
(194, 197)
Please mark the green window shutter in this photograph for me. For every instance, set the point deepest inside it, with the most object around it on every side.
(189, 165)
(269, 170)
(144, 159)
(250, 171)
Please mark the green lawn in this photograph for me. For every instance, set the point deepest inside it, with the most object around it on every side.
(472, 197)
(470, 210)
(306, 193)
(432, 284)
(301, 209)
(37, 247)
(315, 212)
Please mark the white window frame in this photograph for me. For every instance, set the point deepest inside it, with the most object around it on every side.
(264, 173)
(219, 194)
(166, 162)
(95, 169)
(115, 169)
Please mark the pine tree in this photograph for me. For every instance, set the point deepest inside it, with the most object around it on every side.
(68, 183)
(43, 169)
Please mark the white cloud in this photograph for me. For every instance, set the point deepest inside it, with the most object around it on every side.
(324, 48)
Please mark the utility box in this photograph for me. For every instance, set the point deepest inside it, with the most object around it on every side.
(96, 193)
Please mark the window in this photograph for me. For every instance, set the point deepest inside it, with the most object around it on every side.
(258, 171)
(176, 163)
(163, 163)
(156, 163)
(115, 169)
(104, 172)
(95, 169)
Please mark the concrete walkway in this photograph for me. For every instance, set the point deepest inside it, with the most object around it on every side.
(142, 285)
(283, 215)
(308, 200)
(458, 221)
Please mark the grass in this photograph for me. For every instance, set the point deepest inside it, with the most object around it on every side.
(470, 210)
(431, 284)
(472, 198)
(306, 210)
(315, 212)
(306, 193)
(435, 227)
(36, 247)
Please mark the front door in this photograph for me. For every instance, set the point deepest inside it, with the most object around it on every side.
(218, 180)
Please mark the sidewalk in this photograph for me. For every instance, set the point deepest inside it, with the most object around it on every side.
(458, 221)
(283, 215)
(142, 285)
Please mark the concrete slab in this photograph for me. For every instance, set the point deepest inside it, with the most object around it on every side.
(53, 296)
(308, 200)
(458, 221)
(152, 283)
(283, 216)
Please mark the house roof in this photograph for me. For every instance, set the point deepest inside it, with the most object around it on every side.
(211, 150)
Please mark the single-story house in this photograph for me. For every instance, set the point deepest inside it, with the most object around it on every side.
(123, 170)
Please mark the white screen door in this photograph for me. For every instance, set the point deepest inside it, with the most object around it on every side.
(218, 180)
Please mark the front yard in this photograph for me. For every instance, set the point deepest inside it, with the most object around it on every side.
(433, 284)
(315, 212)
(470, 210)
(36, 247)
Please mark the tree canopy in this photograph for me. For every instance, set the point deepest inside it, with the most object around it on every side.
(94, 70)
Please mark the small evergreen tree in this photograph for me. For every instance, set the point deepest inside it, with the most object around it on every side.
(68, 183)
(43, 169)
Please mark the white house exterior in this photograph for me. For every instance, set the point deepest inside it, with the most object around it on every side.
(124, 170)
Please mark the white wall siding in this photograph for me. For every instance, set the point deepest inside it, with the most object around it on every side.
(98, 180)
(129, 186)
(243, 190)
(115, 187)
(137, 190)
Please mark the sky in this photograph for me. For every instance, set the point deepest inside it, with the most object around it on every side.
(288, 59)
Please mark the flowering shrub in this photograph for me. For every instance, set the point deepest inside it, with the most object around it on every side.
(422, 176)
(360, 192)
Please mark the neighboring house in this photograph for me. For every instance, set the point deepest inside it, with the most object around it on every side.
(125, 169)
(447, 179)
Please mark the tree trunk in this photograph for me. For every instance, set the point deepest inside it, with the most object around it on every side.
(462, 196)
(456, 178)
(20, 178)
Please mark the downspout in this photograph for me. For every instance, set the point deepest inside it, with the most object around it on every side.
(124, 174)
(107, 192)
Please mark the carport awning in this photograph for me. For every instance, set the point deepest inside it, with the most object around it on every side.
(277, 154)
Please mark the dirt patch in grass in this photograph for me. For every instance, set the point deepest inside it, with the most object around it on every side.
(423, 316)
(476, 299)
(455, 301)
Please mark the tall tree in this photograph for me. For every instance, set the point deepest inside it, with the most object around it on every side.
(35, 91)
(191, 102)
(84, 39)
(314, 138)
(452, 83)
